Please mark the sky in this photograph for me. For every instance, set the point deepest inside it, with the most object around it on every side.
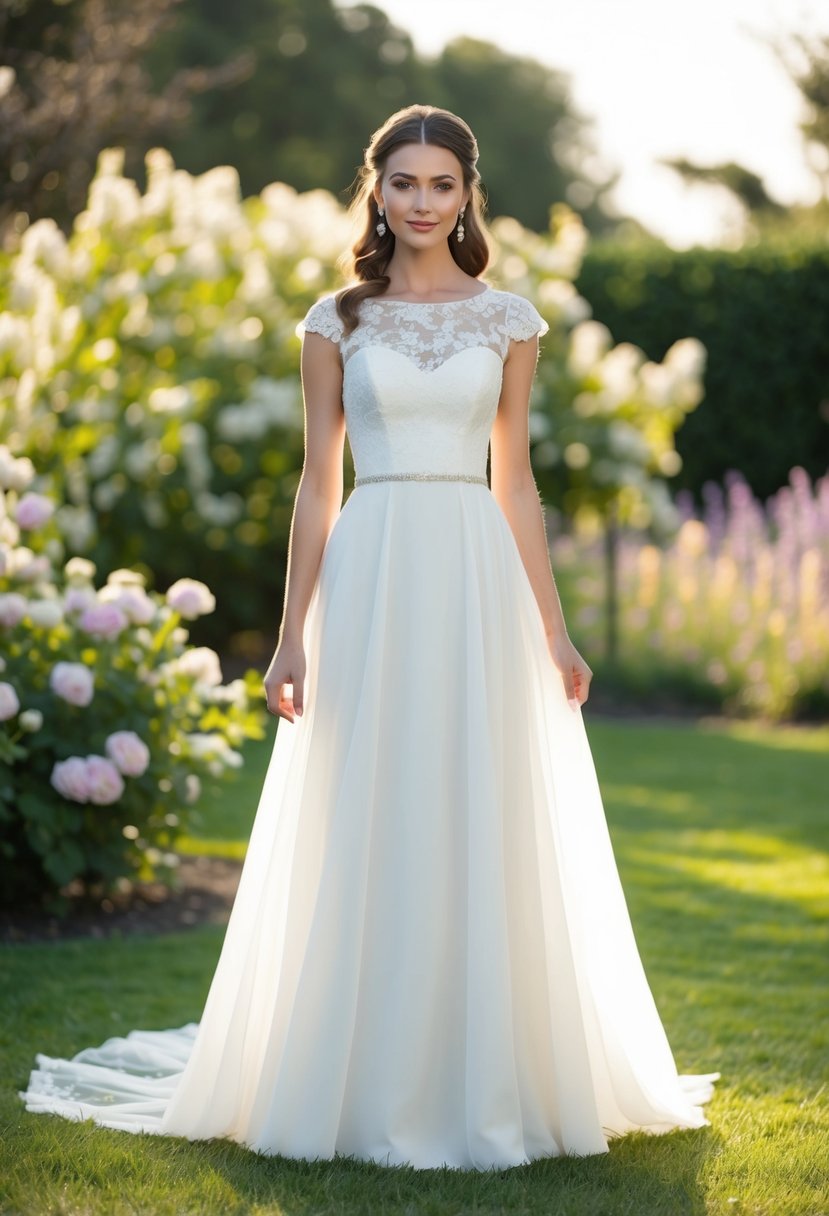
(660, 78)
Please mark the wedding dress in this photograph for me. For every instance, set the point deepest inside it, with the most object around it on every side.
(430, 959)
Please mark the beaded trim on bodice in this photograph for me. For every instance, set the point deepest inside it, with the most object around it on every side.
(361, 481)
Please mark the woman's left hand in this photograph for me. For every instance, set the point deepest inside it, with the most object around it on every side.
(574, 670)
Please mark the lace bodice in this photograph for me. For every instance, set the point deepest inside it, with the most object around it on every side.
(421, 382)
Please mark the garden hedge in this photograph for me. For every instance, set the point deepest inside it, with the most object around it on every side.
(762, 312)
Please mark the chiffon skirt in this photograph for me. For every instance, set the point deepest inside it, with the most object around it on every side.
(429, 960)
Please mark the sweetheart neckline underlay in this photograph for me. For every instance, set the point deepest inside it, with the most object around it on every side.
(426, 370)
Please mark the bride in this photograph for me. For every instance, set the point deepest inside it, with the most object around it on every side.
(430, 960)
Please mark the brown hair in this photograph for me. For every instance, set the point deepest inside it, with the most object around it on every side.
(370, 254)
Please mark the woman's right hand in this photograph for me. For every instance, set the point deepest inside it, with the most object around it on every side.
(286, 667)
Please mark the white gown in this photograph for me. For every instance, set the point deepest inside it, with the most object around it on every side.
(429, 960)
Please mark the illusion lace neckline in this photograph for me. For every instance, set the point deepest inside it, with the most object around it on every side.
(429, 303)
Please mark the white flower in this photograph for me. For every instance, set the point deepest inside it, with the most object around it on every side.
(618, 371)
(657, 383)
(103, 620)
(46, 614)
(13, 608)
(173, 399)
(234, 693)
(9, 702)
(15, 473)
(214, 749)
(9, 537)
(201, 663)
(44, 243)
(78, 598)
(126, 578)
(128, 752)
(33, 511)
(688, 357)
(589, 341)
(105, 783)
(133, 601)
(72, 682)
(28, 567)
(190, 598)
(31, 720)
(70, 778)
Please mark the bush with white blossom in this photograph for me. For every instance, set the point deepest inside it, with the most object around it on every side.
(109, 720)
(604, 416)
(151, 357)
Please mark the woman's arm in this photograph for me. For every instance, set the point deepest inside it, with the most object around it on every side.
(514, 489)
(316, 506)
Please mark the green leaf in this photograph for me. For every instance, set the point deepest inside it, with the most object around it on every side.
(64, 863)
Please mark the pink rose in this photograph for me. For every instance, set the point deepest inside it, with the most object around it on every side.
(133, 602)
(72, 682)
(128, 752)
(106, 785)
(13, 608)
(9, 702)
(77, 599)
(33, 511)
(103, 620)
(70, 778)
(190, 598)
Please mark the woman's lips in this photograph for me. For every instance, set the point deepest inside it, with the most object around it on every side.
(423, 226)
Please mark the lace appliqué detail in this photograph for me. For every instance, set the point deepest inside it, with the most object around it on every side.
(323, 318)
(430, 334)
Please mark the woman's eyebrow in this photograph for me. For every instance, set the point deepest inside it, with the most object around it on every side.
(413, 176)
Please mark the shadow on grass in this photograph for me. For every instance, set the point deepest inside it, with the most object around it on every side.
(657, 1175)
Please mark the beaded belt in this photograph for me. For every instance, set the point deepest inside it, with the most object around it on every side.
(359, 481)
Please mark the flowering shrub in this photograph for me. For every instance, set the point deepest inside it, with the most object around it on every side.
(604, 416)
(149, 361)
(735, 608)
(152, 359)
(109, 721)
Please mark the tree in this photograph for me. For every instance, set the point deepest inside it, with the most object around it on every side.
(536, 148)
(323, 79)
(811, 75)
(745, 185)
(326, 77)
(72, 82)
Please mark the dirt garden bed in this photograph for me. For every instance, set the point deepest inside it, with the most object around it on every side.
(204, 895)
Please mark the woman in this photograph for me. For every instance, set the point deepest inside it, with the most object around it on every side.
(429, 960)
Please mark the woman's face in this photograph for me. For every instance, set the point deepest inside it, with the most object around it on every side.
(421, 183)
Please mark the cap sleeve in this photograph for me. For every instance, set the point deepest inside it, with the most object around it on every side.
(323, 318)
(523, 319)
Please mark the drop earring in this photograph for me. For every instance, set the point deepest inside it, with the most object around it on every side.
(381, 227)
(459, 233)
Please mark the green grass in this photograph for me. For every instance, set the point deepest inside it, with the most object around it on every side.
(721, 837)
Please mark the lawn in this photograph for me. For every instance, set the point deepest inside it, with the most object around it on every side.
(722, 840)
